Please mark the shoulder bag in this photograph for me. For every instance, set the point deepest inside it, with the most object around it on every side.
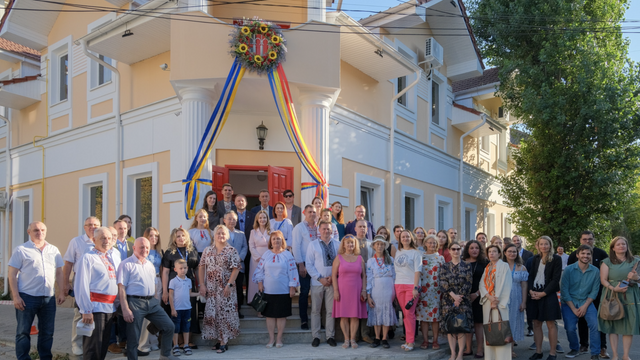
(497, 333)
(611, 307)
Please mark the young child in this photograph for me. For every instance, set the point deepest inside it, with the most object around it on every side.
(179, 298)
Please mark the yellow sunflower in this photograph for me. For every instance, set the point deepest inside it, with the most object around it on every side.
(243, 48)
(258, 59)
(264, 28)
(272, 55)
(275, 39)
(246, 31)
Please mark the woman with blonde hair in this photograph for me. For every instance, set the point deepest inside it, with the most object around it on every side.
(337, 217)
(497, 240)
(420, 234)
(277, 277)
(408, 266)
(259, 241)
(199, 231)
(280, 221)
(542, 301)
(618, 267)
(349, 279)
(180, 247)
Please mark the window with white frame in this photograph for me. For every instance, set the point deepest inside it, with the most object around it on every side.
(412, 213)
(435, 102)
(409, 212)
(103, 74)
(370, 193)
(402, 84)
(93, 195)
(141, 194)
(444, 212)
(467, 223)
(506, 225)
(22, 217)
(485, 143)
(470, 218)
(63, 77)
(366, 193)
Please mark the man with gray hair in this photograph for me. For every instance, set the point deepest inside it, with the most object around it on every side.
(96, 292)
(78, 246)
(34, 268)
(136, 289)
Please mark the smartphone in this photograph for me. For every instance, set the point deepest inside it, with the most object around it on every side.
(624, 284)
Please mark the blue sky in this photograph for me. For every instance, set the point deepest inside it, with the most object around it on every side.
(372, 6)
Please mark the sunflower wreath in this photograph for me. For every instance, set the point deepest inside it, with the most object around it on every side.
(258, 45)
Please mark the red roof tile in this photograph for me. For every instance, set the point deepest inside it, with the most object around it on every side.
(15, 47)
(489, 76)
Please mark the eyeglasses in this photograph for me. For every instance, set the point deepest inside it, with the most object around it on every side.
(455, 249)
(288, 196)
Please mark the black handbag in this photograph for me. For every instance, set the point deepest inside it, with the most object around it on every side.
(457, 323)
(497, 333)
(258, 302)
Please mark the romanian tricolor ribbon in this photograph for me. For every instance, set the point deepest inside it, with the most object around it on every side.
(284, 104)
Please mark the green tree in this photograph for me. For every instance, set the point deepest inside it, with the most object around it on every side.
(564, 71)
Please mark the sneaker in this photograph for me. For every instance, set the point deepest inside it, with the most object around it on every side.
(315, 342)
(536, 356)
(331, 342)
(584, 350)
(532, 347)
(530, 333)
(375, 343)
(603, 354)
(76, 350)
(559, 349)
(572, 353)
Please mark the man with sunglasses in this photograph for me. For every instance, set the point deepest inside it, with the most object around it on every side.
(294, 213)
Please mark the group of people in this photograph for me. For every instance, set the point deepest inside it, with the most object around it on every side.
(136, 296)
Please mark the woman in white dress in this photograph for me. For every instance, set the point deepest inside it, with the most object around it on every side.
(258, 245)
(495, 294)
(281, 223)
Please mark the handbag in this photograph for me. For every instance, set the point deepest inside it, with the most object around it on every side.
(258, 302)
(611, 307)
(457, 323)
(497, 333)
(633, 282)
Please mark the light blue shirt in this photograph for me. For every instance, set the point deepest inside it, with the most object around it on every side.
(122, 248)
(37, 269)
(155, 259)
(138, 279)
(181, 293)
(577, 286)
(238, 240)
(242, 220)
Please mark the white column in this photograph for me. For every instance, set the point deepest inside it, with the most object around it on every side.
(316, 10)
(197, 107)
(314, 126)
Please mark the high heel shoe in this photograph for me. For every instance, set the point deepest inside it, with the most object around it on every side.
(346, 344)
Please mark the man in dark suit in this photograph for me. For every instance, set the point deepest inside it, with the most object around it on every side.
(245, 225)
(587, 238)
(351, 226)
(294, 213)
(226, 204)
(264, 204)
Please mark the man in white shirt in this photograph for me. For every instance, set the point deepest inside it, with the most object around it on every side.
(96, 292)
(34, 268)
(319, 263)
(123, 249)
(563, 255)
(293, 211)
(136, 290)
(303, 234)
(78, 246)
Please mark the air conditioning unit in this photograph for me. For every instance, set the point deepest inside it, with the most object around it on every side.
(433, 53)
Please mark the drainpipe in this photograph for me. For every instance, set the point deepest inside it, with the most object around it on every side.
(460, 172)
(5, 252)
(392, 141)
(118, 121)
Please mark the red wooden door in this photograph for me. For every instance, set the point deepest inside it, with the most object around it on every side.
(280, 179)
(219, 176)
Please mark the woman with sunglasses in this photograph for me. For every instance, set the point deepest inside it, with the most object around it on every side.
(455, 286)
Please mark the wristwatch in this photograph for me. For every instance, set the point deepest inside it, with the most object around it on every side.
(319, 278)
(229, 284)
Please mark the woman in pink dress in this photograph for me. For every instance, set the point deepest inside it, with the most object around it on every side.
(349, 279)
(258, 245)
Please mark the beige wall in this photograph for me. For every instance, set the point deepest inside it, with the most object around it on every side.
(148, 83)
(363, 94)
(73, 22)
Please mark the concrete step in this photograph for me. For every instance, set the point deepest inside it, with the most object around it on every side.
(247, 310)
(254, 322)
(261, 336)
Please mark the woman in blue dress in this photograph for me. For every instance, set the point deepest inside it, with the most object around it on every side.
(518, 302)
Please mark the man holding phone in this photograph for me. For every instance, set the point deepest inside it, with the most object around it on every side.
(578, 289)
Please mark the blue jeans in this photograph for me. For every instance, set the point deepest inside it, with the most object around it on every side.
(303, 300)
(571, 325)
(182, 322)
(45, 308)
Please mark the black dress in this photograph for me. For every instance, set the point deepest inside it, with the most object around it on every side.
(477, 269)
(193, 260)
(547, 308)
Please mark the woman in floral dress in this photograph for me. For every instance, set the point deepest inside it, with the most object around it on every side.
(219, 267)
(428, 311)
(455, 285)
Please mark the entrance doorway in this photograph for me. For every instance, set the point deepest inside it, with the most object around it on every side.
(249, 180)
